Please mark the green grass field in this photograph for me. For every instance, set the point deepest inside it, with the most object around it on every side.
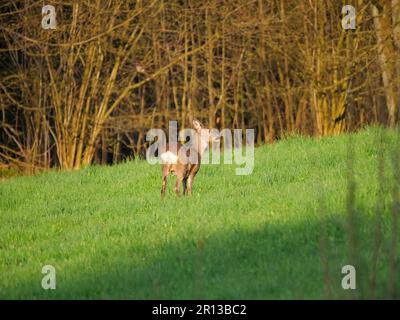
(279, 233)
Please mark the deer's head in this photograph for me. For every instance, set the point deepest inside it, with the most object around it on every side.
(205, 135)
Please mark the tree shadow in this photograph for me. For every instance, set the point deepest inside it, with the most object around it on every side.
(273, 262)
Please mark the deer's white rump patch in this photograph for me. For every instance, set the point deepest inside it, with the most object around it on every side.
(169, 158)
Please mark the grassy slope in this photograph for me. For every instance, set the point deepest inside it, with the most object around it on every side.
(109, 235)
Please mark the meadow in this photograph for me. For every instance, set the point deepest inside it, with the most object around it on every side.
(310, 207)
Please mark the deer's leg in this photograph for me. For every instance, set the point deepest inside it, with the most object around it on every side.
(164, 185)
(190, 184)
(184, 182)
(178, 185)
(164, 181)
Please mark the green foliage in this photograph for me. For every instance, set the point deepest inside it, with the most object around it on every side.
(109, 235)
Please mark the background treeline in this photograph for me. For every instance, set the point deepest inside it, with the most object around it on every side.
(91, 89)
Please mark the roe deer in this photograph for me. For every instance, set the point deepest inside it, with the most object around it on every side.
(183, 167)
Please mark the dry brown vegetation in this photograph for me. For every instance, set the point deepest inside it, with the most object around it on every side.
(89, 90)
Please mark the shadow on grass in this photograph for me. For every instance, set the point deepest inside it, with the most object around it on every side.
(273, 262)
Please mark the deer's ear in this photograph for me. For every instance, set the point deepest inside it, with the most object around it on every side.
(197, 125)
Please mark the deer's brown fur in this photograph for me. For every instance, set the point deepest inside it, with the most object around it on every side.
(184, 172)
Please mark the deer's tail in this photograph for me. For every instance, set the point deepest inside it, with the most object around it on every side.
(168, 158)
